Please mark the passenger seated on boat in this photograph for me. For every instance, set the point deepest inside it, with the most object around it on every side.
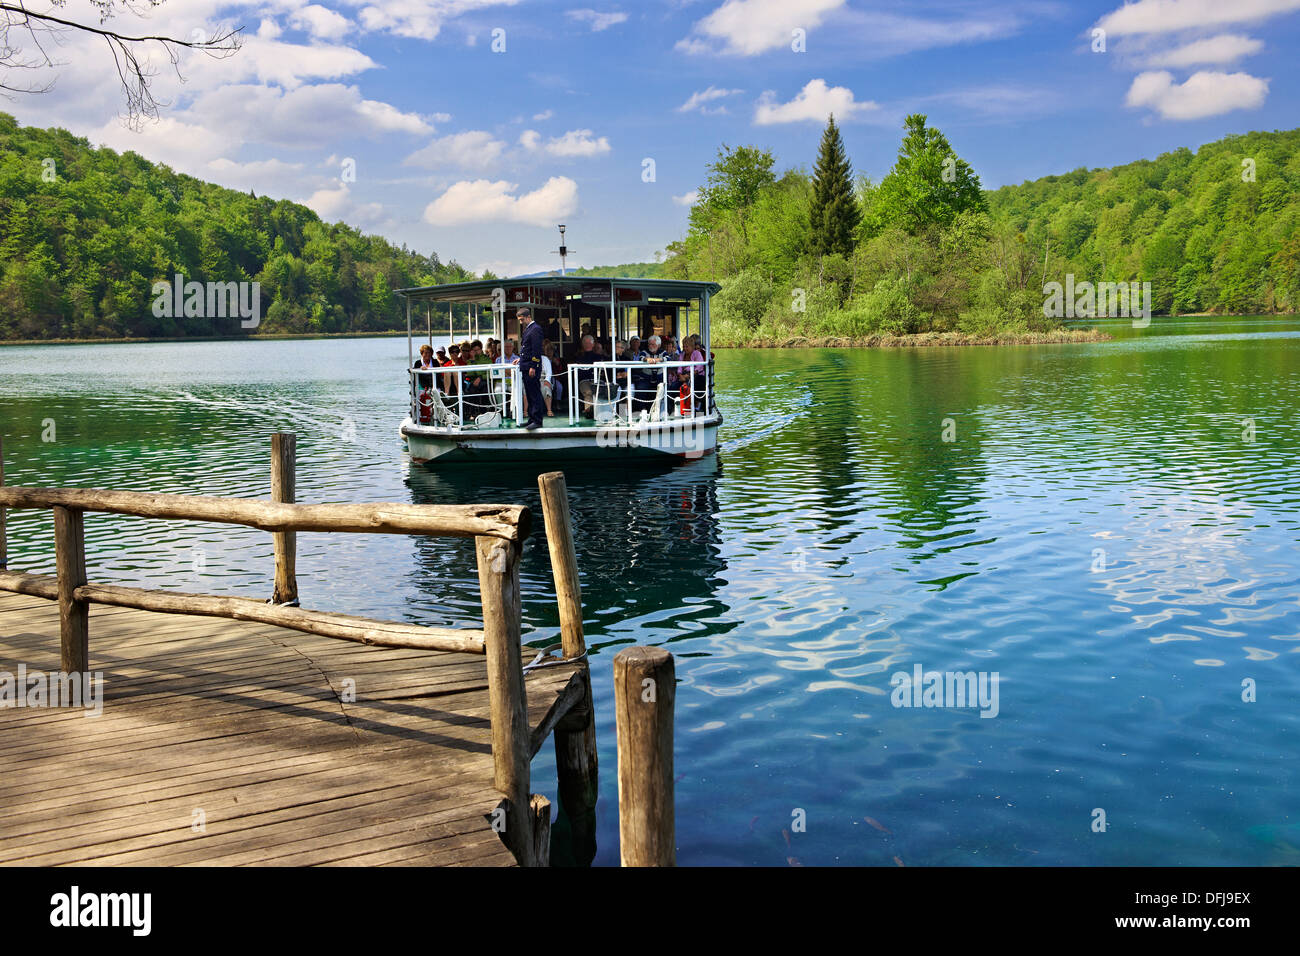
(647, 382)
(558, 368)
(690, 353)
(493, 351)
(425, 361)
(628, 351)
(586, 377)
(509, 356)
(476, 385)
(448, 385)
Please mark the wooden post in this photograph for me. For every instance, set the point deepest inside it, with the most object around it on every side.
(539, 812)
(576, 764)
(498, 579)
(564, 562)
(284, 449)
(645, 688)
(4, 545)
(74, 615)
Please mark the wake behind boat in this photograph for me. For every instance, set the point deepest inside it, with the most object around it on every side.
(616, 386)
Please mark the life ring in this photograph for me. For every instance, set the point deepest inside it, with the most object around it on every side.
(426, 407)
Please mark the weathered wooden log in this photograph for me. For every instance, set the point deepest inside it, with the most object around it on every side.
(576, 763)
(539, 812)
(645, 689)
(37, 585)
(498, 577)
(564, 561)
(4, 539)
(74, 612)
(284, 451)
(509, 522)
(360, 630)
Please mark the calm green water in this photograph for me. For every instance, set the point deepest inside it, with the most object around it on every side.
(1103, 530)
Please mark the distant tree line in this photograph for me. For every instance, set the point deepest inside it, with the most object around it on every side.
(85, 233)
(927, 249)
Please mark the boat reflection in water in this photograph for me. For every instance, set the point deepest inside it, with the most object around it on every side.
(649, 560)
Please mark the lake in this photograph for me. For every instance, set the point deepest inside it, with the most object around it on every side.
(1112, 529)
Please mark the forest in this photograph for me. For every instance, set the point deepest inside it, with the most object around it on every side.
(826, 254)
(85, 233)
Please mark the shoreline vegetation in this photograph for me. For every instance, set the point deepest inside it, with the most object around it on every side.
(927, 255)
(918, 340)
(923, 340)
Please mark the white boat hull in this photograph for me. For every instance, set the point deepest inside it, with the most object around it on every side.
(684, 439)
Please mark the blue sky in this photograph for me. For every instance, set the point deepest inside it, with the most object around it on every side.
(473, 127)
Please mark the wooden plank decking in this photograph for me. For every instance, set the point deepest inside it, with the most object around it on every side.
(246, 723)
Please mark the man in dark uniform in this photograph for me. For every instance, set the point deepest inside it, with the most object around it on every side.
(530, 367)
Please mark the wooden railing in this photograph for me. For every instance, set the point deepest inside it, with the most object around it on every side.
(498, 531)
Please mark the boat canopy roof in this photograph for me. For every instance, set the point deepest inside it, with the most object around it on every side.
(481, 290)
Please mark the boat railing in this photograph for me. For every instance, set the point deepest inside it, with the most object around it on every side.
(625, 392)
(451, 400)
(621, 392)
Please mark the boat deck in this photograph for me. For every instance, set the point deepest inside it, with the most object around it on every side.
(247, 730)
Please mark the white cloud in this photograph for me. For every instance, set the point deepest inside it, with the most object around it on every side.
(481, 200)
(697, 100)
(1222, 49)
(262, 175)
(467, 150)
(576, 142)
(185, 147)
(307, 116)
(1203, 94)
(749, 27)
(336, 203)
(687, 199)
(418, 19)
(816, 101)
(599, 21)
(1170, 16)
(321, 22)
(543, 116)
(275, 61)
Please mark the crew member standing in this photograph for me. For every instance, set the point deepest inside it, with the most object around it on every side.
(530, 366)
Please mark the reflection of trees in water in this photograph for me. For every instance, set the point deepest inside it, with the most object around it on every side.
(867, 449)
(931, 485)
(647, 540)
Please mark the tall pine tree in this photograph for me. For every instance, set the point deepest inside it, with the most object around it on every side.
(834, 210)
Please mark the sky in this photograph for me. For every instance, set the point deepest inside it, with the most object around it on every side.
(471, 128)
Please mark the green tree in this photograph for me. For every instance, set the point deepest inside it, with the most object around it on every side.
(833, 213)
(929, 185)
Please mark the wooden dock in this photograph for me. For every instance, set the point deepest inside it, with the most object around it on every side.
(229, 743)
(236, 731)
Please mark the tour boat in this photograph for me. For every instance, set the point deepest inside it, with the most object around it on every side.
(603, 408)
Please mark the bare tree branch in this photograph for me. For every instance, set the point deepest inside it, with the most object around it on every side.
(130, 52)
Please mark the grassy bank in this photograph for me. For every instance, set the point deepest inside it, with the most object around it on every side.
(1059, 336)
